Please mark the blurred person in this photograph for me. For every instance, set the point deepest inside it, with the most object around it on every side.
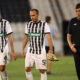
(35, 31)
(5, 36)
(53, 36)
(73, 37)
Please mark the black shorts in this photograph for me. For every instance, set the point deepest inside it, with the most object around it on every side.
(47, 49)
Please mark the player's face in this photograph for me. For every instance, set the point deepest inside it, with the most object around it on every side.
(78, 13)
(34, 16)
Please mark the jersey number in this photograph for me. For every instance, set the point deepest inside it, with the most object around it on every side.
(44, 62)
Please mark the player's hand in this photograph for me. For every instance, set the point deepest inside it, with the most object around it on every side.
(50, 56)
(14, 56)
(23, 53)
(73, 48)
(50, 51)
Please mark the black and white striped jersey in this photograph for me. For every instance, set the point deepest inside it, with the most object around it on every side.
(5, 29)
(36, 33)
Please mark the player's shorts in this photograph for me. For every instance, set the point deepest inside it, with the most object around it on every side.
(47, 49)
(39, 60)
(3, 56)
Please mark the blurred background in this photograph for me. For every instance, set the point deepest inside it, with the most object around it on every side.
(61, 11)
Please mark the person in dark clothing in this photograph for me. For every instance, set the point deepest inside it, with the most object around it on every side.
(73, 37)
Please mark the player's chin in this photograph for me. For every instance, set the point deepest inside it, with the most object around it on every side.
(33, 20)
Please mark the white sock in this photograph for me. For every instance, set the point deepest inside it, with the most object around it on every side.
(44, 76)
(29, 76)
(4, 75)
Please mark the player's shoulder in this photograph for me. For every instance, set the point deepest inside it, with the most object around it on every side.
(4, 20)
(45, 23)
(29, 22)
(42, 21)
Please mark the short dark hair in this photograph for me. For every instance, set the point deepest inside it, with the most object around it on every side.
(37, 11)
(78, 6)
(47, 18)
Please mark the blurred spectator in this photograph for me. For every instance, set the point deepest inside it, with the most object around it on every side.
(53, 36)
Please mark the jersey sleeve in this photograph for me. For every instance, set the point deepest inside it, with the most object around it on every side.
(54, 31)
(47, 29)
(26, 29)
(8, 28)
(69, 31)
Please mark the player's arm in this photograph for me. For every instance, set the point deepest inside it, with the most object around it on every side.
(69, 40)
(24, 44)
(69, 35)
(72, 46)
(54, 36)
(50, 43)
(12, 46)
(54, 33)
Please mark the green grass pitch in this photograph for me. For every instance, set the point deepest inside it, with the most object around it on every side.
(64, 69)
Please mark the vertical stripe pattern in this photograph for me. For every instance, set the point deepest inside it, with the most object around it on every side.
(36, 36)
(3, 37)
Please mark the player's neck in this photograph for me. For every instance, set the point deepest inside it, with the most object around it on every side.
(37, 21)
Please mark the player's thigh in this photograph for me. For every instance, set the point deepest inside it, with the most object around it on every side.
(29, 61)
(3, 59)
(41, 62)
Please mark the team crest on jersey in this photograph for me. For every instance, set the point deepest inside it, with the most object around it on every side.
(75, 24)
(34, 34)
(1, 34)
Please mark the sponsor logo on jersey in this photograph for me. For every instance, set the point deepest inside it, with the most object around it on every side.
(1, 34)
(75, 24)
(34, 34)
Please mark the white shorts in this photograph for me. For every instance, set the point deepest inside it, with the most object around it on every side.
(3, 56)
(39, 60)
